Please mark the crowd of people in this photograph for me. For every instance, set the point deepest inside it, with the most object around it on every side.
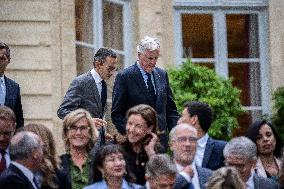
(161, 149)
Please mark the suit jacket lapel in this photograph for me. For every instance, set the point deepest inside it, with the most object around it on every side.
(21, 174)
(94, 89)
(158, 85)
(207, 152)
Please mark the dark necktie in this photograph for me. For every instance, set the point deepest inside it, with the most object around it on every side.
(2, 162)
(150, 85)
(103, 95)
(190, 186)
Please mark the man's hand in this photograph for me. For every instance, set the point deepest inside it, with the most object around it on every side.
(99, 123)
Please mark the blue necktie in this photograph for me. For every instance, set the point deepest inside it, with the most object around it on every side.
(150, 85)
(190, 186)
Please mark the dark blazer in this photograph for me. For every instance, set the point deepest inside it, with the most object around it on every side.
(261, 183)
(130, 90)
(14, 178)
(13, 100)
(213, 156)
(82, 93)
(203, 176)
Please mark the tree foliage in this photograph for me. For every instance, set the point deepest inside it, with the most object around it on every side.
(278, 115)
(193, 82)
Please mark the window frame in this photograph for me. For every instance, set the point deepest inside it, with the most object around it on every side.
(98, 29)
(219, 9)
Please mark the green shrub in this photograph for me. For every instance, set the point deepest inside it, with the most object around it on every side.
(278, 115)
(193, 82)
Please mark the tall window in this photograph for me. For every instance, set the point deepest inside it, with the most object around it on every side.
(229, 37)
(102, 23)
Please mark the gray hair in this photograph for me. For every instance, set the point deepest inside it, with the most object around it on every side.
(103, 53)
(160, 164)
(148, 43)
(241, 146)
(22, 144)
(172, 135)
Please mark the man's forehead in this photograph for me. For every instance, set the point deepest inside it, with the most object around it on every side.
(185, 132)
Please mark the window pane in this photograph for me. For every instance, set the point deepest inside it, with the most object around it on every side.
(246, 76)
(242, 35)
(84, 58)
(113, 25)
(208, 65)
(84, 20)
(246, 120)
(197, 35)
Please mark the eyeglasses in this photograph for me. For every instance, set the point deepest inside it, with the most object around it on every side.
(74, 129)
(6, 134)
(184, 139)
(150, 59)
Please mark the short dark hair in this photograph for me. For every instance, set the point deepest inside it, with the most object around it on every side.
(103, 53)
(253, 131)
(99, 157)
(5, 46)
(7, 114)
(203, 112)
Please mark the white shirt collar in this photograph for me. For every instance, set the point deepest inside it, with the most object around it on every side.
(203, 141)
(96, 76)
(250, 182)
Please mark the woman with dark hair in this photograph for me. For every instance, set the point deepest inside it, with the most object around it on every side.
(142, 139)
(269, 146)
(50, 175)
(79, 135)
(110, 170)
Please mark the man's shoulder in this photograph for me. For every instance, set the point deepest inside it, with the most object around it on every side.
(203, 170)
(264, 182)
(129, 70)
(217, 143)
(10, 81)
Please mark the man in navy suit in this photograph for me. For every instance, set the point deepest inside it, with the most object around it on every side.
(209, 152)
(9, 89)
(144, 83)
(26, 153)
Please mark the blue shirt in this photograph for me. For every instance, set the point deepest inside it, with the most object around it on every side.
(103, 185)
(145, 77)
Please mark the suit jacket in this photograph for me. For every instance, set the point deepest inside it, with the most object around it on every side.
(14, 178)
(13, 100)
(203, 176)
(130, 90)
(213, 155)
(261, 183)
(82, 93)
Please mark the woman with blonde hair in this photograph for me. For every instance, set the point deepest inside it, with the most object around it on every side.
(224, 178)
(50, 175)
(79, 135)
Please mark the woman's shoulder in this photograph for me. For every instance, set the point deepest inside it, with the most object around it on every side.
(97, 185)
(128, 185)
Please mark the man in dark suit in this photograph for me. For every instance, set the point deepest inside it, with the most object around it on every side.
(7, 129)
(241, 153)
(9, 89)
(144, 83)
(209, 151)
(26, 155)
(89, 90)
(183, 141)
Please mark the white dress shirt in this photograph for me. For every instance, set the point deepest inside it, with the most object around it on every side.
(250, 183)
(28, 173)
(7, 157)
(200, 149)
(194, 180)
(3, 90)
(97, 79)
